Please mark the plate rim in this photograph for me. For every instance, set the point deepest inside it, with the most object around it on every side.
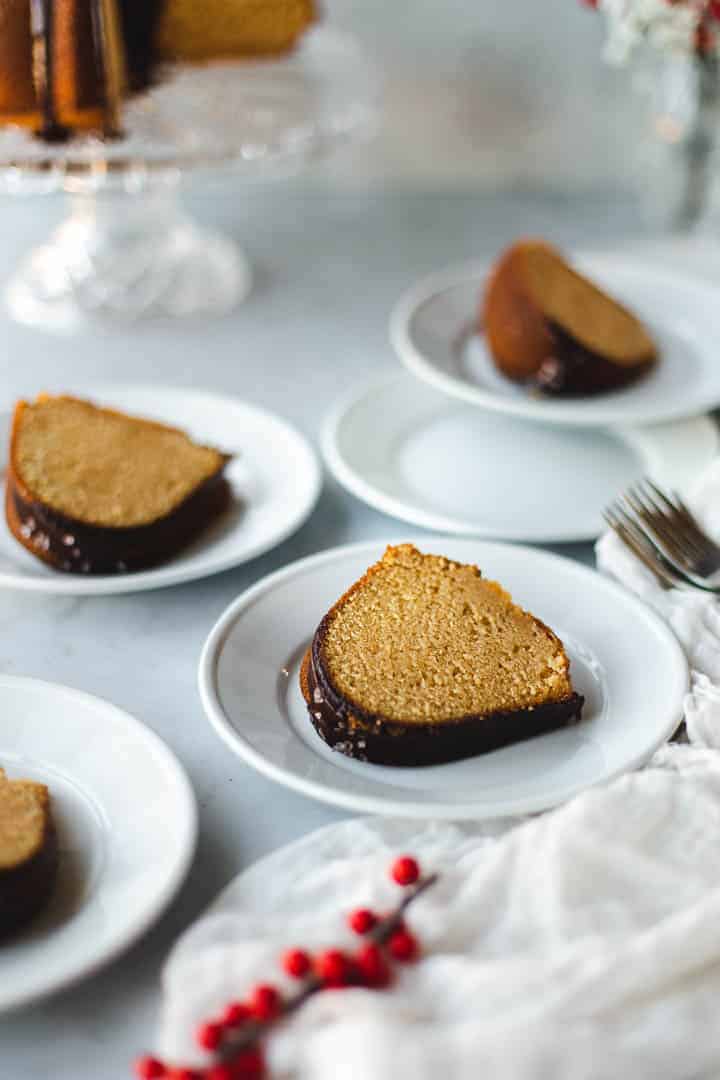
(137, 928)
(172, 573)
(394, 507)
(553, 412)
(386, 807)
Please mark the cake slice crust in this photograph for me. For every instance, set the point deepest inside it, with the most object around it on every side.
(423, 660)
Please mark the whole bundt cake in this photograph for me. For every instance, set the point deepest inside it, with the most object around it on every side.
(66, 65)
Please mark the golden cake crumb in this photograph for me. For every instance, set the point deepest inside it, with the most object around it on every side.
(582, 309)
(218, 29)
(24, 814)
(421, 637)
(102, 467)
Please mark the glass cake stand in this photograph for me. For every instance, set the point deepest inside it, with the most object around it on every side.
(126, 248)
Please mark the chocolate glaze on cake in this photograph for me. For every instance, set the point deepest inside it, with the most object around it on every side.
(381, 741)
(572, 370)
(29, 852)
(140, 19)
(70, 545)
(24, 889)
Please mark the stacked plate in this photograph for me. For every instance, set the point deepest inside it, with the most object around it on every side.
(454, 446)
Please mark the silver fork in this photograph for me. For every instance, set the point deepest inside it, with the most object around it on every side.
(676, 534)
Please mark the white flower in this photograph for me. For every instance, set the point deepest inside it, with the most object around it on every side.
(669, 26)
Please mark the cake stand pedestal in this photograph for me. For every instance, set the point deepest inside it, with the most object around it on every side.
(126, 249)
(120, 257)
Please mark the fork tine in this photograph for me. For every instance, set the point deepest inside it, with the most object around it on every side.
(663, 578)
(658, 493)
(666, 525)
(657, 537)
(673, 501)
(635, 499)
(668, 514)
(655, 521)
(678, 508)
(639, 535)
(689, 517)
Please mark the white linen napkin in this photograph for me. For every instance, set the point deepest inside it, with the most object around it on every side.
(693, 615)
(583, 944)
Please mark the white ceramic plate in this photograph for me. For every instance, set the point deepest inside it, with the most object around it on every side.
(127, 824)
(415, 454)
(275, 479)
(433, 331)
(625, 661)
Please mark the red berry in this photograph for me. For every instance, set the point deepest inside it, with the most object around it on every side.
(297, 963)
(234, 1014)
(220, 1072)
(405, 870)
(208, 1036)
(714, 9)
(250, 1065)
(362, 920)
(704, 39)
(403, 946)
(372, 966)
(333, 968)
(370, 960)
(149, 1068)
(182, 1074)
(264, 1002)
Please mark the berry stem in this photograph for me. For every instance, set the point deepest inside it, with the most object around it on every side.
(251, 1032)
(387, 926)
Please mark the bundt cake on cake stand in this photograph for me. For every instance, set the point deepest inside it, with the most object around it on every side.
(116, 102)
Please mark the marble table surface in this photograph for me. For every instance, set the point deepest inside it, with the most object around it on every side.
(328, 268)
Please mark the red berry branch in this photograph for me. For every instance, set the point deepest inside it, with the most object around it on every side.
(235, 1036)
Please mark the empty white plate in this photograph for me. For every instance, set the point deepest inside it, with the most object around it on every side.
(625, 661)
(275, 479)
(126, 820)
(404, 449)
(433, 329)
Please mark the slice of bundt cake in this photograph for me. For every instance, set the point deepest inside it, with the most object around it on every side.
(93, 491)
(28, 852)
(218, 29)
(547, 325)
(424, 661)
